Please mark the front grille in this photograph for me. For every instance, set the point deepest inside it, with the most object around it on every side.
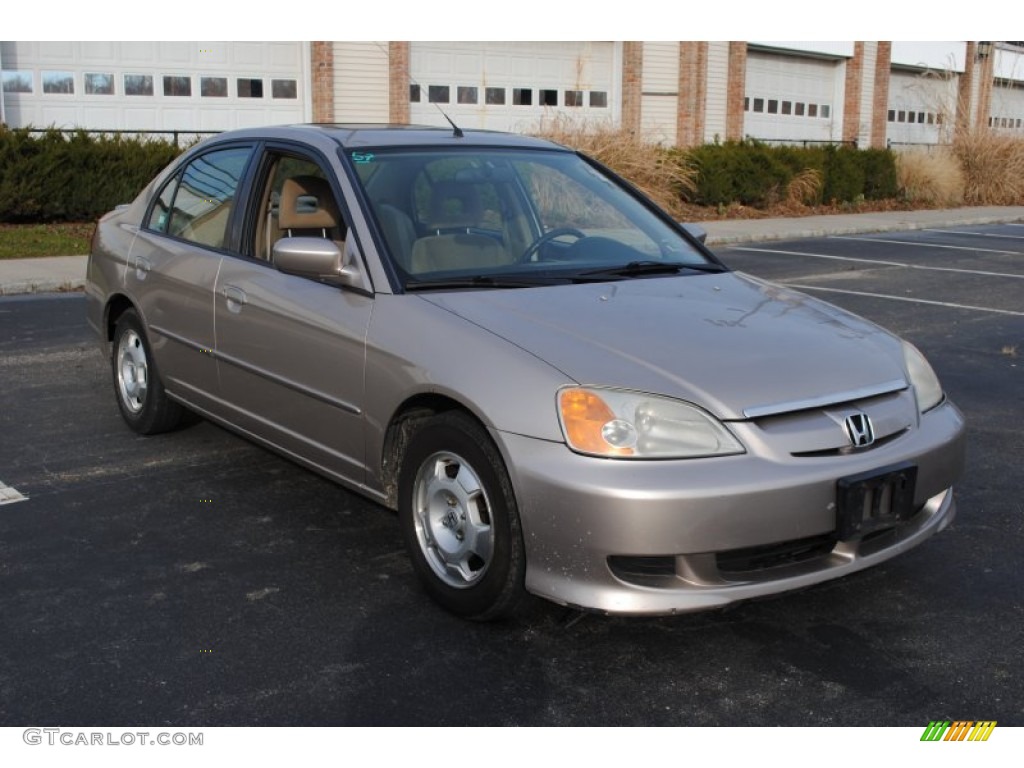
(739, 561)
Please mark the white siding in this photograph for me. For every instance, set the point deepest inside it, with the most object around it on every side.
(361, 82)
(1007, 113)
(660, 99)
(265, 61)
(586, 68)
(867, 94)
(718, 80)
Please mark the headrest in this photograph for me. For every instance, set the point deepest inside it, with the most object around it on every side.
(455, 205)
(307, 202)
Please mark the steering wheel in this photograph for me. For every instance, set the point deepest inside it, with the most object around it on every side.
(547, 237)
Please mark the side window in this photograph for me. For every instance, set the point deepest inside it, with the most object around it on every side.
(161, 213)
(204, 199)
(296, 200)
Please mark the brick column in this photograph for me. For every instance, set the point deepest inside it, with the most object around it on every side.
(880, 100)
(398, 82)
(851, 94)
(323, 81)
(965, 90)
(632, 85)
(693, 88)
(986, 77)
(735, 89)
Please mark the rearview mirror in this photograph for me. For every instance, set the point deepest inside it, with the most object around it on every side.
(696, 231)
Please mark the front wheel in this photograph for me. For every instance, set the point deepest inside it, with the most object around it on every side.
(459, 518)
(137, 386)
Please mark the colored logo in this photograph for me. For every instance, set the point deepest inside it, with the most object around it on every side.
(959, 730)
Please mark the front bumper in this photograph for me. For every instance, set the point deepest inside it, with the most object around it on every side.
(655, 537)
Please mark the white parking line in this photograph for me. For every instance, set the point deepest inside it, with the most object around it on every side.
(10, 495)
(974, 234)
(919, 244)
(880, 262)
(799, 287)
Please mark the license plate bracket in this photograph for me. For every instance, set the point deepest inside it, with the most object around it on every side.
(874, 500)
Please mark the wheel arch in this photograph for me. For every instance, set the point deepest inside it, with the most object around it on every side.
(402, 425)
(116, 306)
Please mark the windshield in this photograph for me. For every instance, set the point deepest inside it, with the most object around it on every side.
(511, 218)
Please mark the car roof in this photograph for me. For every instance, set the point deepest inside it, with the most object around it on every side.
(361, 135)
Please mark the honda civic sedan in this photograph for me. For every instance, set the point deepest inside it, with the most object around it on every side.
(560, 390)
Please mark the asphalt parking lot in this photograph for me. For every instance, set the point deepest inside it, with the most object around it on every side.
(195, 579)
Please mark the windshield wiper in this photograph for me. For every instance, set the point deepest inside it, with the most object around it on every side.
(640, 268)
(478, 281)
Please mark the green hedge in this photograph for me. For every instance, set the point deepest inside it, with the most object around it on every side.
(757, 174)
(55, 176)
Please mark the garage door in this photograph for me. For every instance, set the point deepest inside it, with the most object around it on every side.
(1008, 109)
(512, 86)
(792, 98)
(920, 105)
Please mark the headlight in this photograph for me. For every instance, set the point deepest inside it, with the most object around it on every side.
(632, 425)
(922, 377)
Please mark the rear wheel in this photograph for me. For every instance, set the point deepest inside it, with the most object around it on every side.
(137, 386)
(459, 518)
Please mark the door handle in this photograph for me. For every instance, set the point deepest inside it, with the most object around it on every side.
(235, 297)
(142, 267)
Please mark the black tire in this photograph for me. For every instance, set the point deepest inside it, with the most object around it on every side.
(137, 387)
(459, 518)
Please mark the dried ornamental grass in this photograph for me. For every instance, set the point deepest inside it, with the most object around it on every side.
(932, 177)
(660, 174)
(993, 167)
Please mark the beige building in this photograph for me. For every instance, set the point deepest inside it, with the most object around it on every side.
(677, 93)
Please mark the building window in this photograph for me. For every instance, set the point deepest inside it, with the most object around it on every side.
(826, 110)
(284, 89)
(177, 85)
(58, 82)
(599, 99)
(99, 83)
(773, 106)
(746, 103)
(574, 98)
(920, 117)
(901, 116)
(213, 87)
(414, 93)
(812, 110)
(798, 109)
(931, 118)
(548, 97)
(250, 87)
(787, 107)
(892, 115)
(438, 94)
(17, 82)
(494, 95)
(759, 105)
(522, 96)
(466, 94)
(138, 85)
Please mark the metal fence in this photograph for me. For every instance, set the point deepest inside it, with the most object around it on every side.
(177, 137)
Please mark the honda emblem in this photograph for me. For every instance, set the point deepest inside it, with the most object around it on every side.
(859, 429)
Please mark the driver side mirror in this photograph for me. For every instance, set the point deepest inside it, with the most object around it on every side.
(316, 258)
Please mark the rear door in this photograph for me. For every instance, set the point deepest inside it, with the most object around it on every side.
(173, 268)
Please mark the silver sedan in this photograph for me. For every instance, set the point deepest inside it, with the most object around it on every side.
(560, 390)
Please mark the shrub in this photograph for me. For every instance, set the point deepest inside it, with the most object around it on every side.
(73, 177)
(933, 177)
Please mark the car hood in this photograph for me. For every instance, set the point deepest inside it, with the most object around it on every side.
(726, 341)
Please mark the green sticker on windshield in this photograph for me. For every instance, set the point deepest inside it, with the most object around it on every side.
(362, 157)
